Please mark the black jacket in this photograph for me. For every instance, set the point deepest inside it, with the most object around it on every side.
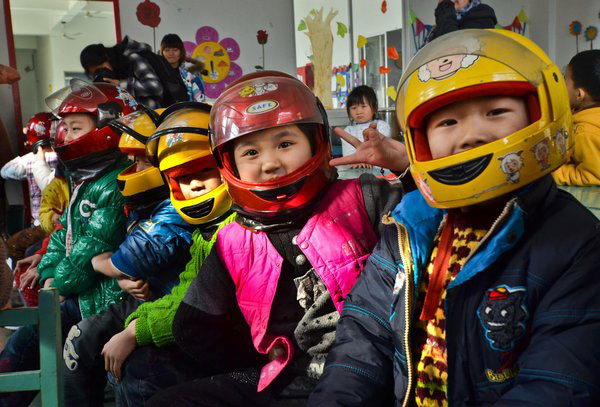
(481, 16)
(522, 316)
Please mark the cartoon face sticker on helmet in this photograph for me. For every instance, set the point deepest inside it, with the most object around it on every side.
(541, 152)
(40, 129)
(445, 67)
(511, 164)
(259, 88)
(560, 140)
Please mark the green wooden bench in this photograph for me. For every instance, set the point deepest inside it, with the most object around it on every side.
(49, 379)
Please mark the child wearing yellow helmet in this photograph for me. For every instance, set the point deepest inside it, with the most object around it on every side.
(146, 264)
(179, 148)
(483, 289)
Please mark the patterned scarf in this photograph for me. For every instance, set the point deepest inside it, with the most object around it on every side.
(460, 13)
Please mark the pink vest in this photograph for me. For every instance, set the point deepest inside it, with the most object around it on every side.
(337, 240)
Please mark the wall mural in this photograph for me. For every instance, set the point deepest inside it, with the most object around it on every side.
(218, 57)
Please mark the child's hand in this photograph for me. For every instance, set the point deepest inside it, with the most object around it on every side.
(48, 282)
(28, 263)
(139, 289)
(377, 150)
(117, 350)
(29, 279)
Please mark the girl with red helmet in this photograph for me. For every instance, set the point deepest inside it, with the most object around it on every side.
(93, 222)
(299, 242)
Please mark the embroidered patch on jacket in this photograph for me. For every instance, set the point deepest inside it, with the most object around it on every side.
(502, 314)
(503, 375)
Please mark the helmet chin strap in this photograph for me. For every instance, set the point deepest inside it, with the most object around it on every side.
(90, 166)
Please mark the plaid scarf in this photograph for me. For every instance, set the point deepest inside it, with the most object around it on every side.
(460, 13)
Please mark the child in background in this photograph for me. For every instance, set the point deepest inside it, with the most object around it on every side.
(361, 107)
(93, 223)
(145, 342)
(37, 167)
(493, 301)
(146, 264)
(298, 243)
(583, 86)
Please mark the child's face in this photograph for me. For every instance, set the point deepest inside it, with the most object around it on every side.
(362, 112)
(141, 162)
(571, 90)
(77, 125)
(199, 183)
(271, 153)
(471, 123)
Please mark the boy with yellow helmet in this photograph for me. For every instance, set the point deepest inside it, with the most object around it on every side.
(483, 290)
(179, 148)
(146, 264)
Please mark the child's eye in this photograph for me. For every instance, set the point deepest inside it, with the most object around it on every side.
(285, 144)
(250, 153)
(497, 112)
(447, 123)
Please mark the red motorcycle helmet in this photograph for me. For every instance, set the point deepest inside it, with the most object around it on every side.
(105, 102)
(38, 131)
(260, 101)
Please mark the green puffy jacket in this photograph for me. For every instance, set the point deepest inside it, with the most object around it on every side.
(93, 223)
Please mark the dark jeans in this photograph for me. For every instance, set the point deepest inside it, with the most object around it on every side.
(22, 351)
(85, 377)
(150, 369)
(230, 390)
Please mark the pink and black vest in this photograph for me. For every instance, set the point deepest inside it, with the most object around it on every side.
(337, 240)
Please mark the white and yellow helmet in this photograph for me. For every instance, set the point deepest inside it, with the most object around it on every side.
(180, 146)
(474, 63)
(148, 185)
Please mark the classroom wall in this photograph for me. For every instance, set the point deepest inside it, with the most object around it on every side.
(585, 11)
(7, 112)
(239, 20)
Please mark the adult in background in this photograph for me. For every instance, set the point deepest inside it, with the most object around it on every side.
(129, 64)
(453, 15)
(172, 50)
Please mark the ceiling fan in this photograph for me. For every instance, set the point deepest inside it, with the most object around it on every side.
(65, 35)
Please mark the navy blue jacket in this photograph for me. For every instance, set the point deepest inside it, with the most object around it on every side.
(522, 316)
(156, 248)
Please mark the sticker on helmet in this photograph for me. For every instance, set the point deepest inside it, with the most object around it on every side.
(541, 152)
(174, 138)
(445, 67)
(40, 129)
(511, 165)
(259, 88)
(263, 106)
(560, 140)
(126, 97)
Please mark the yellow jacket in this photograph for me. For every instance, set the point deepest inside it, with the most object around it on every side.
(55, 199)
(583, 168)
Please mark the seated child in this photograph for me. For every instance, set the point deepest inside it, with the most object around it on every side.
(483, 288)
(299, 241)
(361, 107)
(93, 223)
(583, 86)
(198, 199)
(146, 264)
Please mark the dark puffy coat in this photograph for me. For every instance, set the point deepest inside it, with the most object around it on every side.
(522, 316)
(481, 16)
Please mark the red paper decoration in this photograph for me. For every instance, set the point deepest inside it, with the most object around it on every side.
(148, 13)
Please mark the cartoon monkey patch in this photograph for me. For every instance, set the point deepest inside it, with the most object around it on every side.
(502, 314)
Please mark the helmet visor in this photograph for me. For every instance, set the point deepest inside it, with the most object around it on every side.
(85, 95)
(487, 43)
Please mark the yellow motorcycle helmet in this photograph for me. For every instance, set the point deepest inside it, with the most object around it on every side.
(148, 185)
(476, 63)
(180, 146)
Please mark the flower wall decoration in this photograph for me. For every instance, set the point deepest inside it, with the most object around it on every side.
(218, 57)
(262, 37)
(148, 13)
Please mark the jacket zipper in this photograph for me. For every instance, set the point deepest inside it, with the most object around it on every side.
(405, 255)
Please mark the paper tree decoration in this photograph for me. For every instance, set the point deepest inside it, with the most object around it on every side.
(575, 29)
